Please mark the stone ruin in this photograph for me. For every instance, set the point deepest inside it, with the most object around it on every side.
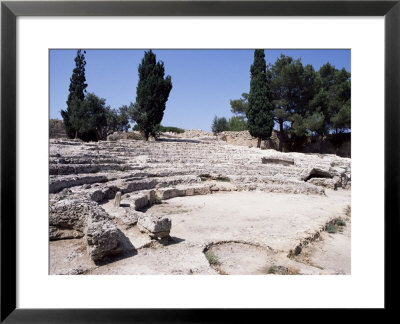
(137, 174)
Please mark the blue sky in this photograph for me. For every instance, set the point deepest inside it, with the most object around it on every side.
(203, 80)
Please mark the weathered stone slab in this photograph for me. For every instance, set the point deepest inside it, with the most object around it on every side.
(315, 172)
(323, 182)
(68, 215)
(61, 182)
(63, 234)
(102, 236)
(97, 195)
(155, 226)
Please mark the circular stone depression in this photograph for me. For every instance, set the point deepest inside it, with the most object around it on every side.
(239, 258)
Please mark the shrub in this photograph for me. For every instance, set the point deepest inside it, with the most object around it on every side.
(219, 125)
(163, 129)
(339, 222)
(171, 129)
(331, 228)
(281, 270)
(212, 258)
(236, 124)
(272, 269)
(223, 179)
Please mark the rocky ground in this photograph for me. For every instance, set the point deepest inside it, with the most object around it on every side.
(193, 204)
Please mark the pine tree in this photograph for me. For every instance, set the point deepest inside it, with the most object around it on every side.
(151, 95)
(260, 111)
(77, 89)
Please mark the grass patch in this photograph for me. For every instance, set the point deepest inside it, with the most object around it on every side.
(339, 222)
(331, 228)
(281, 270)
(223, 179)
(212, 258)
(336, 225)
(272, 269)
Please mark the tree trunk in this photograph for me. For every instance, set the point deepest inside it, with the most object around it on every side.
(321, 145)
(259, 143)
(76, 134)
(146, 136)
(98, 135)
(280, 134)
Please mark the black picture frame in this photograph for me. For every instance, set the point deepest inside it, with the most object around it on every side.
(10, 10)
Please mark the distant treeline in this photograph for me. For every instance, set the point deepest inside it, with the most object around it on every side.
(163, 129)
(301, 101)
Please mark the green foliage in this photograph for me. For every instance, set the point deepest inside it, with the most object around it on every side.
(219, 125)
(77, 89)
(240, 106)
(151, 95)
(260, 110)
(272, 269)
(333, 98)
(339, 222)
(163, 129)
(336, 225)
(212, 258)
(342, 119)
(93, 122)
(304, 101)
(117, 119)
(223, 179)
(331, 228)
(315, 122)
(292, 86)
(171, 129)
(77, 86)
(88, 117)
(236, 124)
(299, 125)
(73, 117)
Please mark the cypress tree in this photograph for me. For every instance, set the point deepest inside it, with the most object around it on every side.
(151, 95)
(260, 111)
(77, 89)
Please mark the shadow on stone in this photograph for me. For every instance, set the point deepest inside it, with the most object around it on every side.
(128, 250)
(171, 240)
